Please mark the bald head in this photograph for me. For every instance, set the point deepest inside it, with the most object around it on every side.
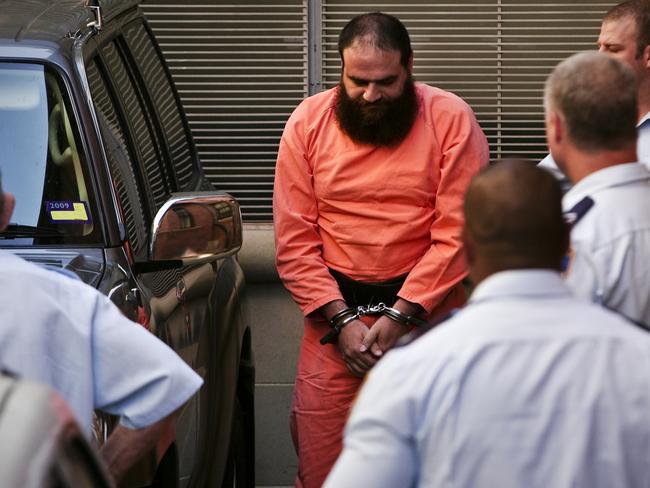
(513, 219)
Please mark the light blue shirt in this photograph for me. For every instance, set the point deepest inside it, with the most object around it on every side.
(64, 333)
(642, 151)
(526, 387)
(610, 246)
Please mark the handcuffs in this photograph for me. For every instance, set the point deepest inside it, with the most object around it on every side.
(347, 315)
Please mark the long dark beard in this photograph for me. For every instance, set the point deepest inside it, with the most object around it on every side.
(382, 123)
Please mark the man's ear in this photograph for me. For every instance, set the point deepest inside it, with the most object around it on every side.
(646, 57)
(554, 128)
(7, 210)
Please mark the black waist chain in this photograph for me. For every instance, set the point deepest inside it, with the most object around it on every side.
(362, 294)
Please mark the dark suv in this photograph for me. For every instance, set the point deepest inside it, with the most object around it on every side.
(97, 150)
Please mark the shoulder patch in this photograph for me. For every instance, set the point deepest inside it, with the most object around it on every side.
(565, 266)
(578, 211)
(572, 217)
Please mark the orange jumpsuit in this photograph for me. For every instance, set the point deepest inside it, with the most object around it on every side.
(372, 213)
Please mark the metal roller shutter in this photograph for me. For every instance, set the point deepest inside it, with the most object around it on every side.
(241, 68)
(494, 54)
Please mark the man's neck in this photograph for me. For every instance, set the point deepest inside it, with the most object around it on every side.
(584, 163)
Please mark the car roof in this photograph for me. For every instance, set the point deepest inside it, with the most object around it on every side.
(51, 20)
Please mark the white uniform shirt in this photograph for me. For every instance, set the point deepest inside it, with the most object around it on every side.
(610, 245)
(642, 150)
(643, 141)
(64, 333)
(525, 387)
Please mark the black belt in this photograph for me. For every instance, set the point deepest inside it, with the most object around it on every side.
(360, 293)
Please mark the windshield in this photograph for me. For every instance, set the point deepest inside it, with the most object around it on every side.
(41, 160)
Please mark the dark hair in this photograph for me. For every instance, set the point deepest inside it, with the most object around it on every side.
(513, 213)
(597, 96)
(380, 30)
(639, 10)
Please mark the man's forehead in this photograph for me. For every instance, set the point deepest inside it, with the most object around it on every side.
(618, 30)
(366, 50)
(370, 63)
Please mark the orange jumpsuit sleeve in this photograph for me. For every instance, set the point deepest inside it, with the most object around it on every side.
(464, 151)
(295, 214)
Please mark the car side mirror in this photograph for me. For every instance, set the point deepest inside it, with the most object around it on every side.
(196, 227)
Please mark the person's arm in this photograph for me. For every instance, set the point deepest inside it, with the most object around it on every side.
(137, 378)
(299, 245)
(464, 152)
(125, 447)
(295, 218)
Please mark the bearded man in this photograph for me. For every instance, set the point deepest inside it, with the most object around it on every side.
(369, 184)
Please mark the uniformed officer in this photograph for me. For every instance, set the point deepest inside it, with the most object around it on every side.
(625, 35)
(591, 102)
(526, 386)
(61, 332)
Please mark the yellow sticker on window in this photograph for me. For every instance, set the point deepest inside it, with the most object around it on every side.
(68, 212)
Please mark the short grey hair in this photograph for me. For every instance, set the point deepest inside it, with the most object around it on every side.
(597, 97)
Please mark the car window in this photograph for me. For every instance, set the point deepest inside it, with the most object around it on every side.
(141, 125)
(127, 178)
(42, 160)
(157, 81)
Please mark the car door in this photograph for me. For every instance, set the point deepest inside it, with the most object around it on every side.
(195, 309)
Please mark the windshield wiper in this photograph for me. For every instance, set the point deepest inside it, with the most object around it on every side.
(14, 231)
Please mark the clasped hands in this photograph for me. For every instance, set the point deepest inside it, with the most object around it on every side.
(360, 346)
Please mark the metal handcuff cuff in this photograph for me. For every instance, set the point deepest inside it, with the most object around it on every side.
(347, 315)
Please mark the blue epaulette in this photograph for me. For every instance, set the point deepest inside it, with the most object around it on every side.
(572, 217)
(419, 331)
(579, 210)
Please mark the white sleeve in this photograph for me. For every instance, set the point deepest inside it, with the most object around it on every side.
(379, 448)
(136, 375)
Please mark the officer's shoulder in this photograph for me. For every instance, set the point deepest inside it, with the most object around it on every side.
(577, 212)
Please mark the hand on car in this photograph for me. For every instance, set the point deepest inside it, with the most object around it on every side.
(349, 344)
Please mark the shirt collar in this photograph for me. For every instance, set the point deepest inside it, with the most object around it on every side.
(645, 120)
(619, 174)
(521, 283)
